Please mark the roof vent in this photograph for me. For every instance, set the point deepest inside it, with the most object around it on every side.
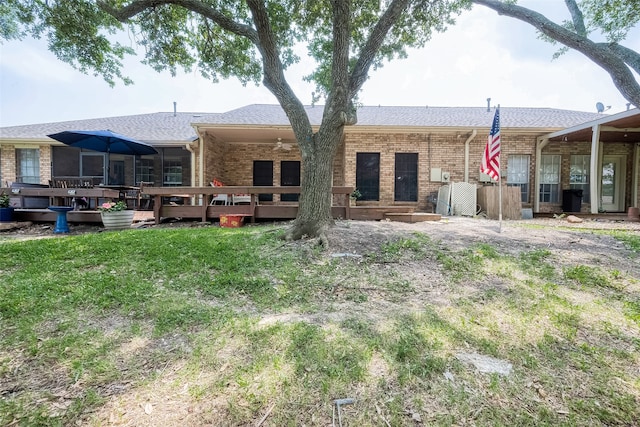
(175, 108)
(488, 105)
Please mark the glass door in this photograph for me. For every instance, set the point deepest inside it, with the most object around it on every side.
(92, 165)
(289, 176)
(612, 184)
(406, 177)
(263, 176)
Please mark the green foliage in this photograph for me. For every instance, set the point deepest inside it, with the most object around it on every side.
(219, 38)
(630, 240)
(613, 17)
(589, 276)
(413, 248)
(5, 200)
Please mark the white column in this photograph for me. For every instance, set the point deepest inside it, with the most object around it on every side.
(635, 182)
(540, 144)
(594, 174)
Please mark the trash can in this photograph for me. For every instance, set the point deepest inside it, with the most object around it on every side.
(571, 200)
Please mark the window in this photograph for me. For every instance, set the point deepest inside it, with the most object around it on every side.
(518, 175)
(144, 170)
(175, 167)
(406, 177)
(172, 172)
(28, 165)
(550, 178)
(579, 175)
(368, 175)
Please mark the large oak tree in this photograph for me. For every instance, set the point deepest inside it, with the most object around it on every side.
(252, 40)
(590, 18)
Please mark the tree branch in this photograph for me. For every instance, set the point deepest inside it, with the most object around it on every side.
(601, 54)
(576, 17)
(373, 43)
(631, 57)
(132, 9)
(274, 78)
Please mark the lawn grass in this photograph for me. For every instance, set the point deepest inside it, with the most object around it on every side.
(210, 326)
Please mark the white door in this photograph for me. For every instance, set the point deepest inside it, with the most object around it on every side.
(612, 183)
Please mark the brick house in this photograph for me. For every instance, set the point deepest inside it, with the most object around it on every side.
(395, 156)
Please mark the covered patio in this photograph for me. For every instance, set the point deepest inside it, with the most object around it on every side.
(613, 144)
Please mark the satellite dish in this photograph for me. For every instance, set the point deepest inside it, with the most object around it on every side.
(599, 107)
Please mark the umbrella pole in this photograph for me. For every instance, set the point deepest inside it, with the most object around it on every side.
(108, 163)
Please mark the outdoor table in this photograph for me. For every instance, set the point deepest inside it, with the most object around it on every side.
(61, 222)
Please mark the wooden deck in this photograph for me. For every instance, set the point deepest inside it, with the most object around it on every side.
(194, 203)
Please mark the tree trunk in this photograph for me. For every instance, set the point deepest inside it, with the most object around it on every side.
(314, 212)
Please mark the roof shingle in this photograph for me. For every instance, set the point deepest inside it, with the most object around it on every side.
(168, 127)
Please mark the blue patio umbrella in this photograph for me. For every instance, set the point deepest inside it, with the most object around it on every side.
(104, 141)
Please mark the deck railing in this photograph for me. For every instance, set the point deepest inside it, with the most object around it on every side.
(196, 202)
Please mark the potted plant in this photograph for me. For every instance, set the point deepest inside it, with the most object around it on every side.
(355, 195)
(6, 210)
(115, 215)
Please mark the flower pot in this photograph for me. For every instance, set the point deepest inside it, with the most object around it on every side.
(6, 214)
(118, 220)
(231, 221)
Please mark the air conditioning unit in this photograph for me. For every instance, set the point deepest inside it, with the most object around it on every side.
(484, 178)
(446, 177)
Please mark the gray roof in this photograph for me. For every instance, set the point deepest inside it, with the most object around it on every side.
(167, 127)
(152, 128)
(545, 118)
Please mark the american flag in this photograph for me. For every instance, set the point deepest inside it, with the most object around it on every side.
(491, 158)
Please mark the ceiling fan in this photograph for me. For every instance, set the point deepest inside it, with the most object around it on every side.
(282, 145)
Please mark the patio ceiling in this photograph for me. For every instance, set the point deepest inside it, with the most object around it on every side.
(260, 134)
(621, 127)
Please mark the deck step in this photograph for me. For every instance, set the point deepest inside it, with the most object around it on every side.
(412, 217)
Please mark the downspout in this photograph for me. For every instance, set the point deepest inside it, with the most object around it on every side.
(466, 154)
(542, 142)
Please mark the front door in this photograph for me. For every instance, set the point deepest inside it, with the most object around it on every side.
(612, 183)
(406, 177)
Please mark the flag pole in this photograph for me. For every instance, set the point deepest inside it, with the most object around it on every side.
(500, 207)
(490, 163)
(500, 192)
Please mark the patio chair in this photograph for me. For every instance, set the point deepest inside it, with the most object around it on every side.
(236, 199)
(219, 198)
(145, 202)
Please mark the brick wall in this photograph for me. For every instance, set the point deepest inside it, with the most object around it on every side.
(8, 164)
(444, 150)
(45, 164)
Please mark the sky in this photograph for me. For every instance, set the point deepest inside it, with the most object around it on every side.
(483, 56)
